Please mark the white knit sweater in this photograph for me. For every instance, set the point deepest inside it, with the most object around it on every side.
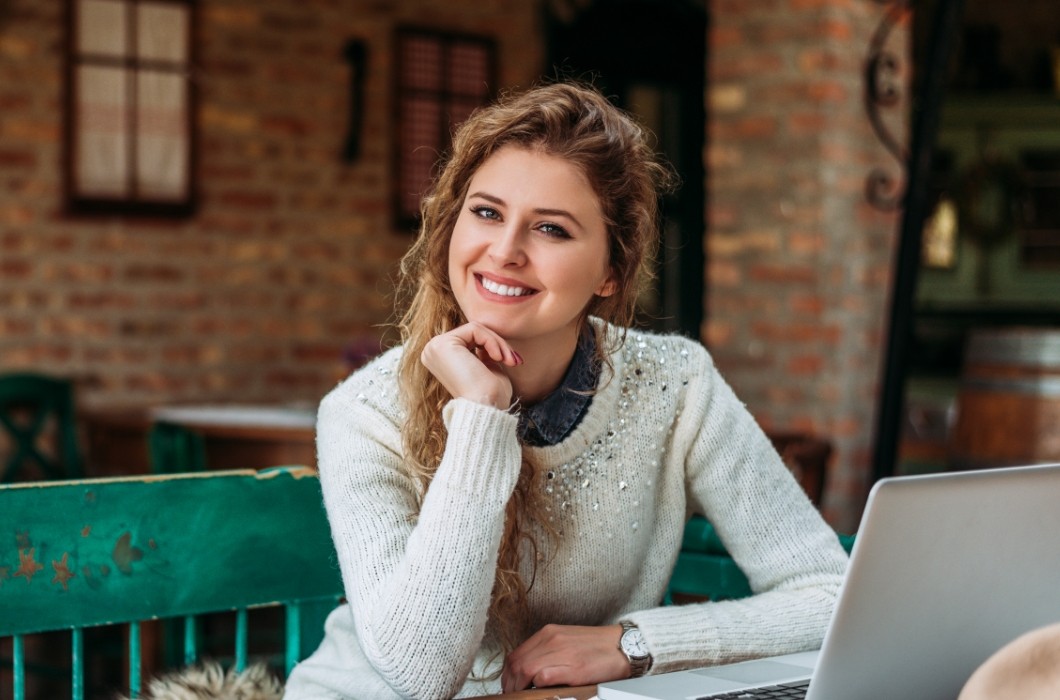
(664, 437)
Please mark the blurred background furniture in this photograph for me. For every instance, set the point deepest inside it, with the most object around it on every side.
(1008, 402)
(807, 457)
(175, 448)
(38, 420)
(706, 571)
(166, 439)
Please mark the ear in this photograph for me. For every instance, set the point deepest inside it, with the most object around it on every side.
(608, 287)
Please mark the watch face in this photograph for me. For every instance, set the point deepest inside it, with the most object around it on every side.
(633, 644)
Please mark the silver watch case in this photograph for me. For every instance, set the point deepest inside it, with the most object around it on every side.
(632, 644)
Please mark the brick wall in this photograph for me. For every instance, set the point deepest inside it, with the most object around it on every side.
(798, 262)
(291, 254)
(292, 251)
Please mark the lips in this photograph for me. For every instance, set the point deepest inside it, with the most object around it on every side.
(504, 290)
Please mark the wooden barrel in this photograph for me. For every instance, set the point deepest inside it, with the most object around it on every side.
(1008, 404)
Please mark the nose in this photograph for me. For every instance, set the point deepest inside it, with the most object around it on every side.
(507, 249)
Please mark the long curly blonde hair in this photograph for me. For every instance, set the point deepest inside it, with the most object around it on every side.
(578, 124)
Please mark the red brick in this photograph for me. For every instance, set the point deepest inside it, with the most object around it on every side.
(805, 123)
(79, 326)
(805, 364)
(724, 274)
(10, 326)
(795, 333)
(285, 126)
(807, 304)
(79, 301)
(247, 199)
(746, 67)
(16, 269)
(317, 352)
(17, 159)
(725, 37)
(10, 103)
(147, 328)
(154, 273)
(782, 273)
(806, 242)
(828, 92)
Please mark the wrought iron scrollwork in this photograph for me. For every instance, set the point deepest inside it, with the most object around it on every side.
(883, 90)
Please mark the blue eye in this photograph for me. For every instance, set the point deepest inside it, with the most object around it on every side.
(484, 212)
(553, 231)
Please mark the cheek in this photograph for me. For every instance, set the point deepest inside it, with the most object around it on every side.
(457, 254)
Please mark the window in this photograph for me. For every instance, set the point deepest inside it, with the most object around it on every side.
(129, 132)
(441, 79)
(1040, 242)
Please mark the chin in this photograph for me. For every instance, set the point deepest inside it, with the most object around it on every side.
(501, 326)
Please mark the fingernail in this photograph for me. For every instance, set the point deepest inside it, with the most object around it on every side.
(518, 358)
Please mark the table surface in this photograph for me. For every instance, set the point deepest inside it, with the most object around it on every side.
(234, 415)
(237, 436)
(585, 692)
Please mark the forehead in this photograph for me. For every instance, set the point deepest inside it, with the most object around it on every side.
(532, 173)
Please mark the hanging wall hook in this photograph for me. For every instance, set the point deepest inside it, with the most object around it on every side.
(356, 54)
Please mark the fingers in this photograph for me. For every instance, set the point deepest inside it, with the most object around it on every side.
(478, 337)
(467, 361)
(565, 655)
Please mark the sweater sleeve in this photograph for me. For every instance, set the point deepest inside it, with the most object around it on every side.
(792, 558)
(418, 575)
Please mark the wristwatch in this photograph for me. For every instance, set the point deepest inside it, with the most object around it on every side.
(631, 643)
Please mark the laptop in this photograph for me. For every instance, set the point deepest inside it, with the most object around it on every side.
(946, 569)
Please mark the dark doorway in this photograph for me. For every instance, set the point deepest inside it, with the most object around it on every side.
(650, 57)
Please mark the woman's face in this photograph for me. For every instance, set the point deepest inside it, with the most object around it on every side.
(530, 248)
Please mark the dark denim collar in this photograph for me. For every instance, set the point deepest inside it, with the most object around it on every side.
(556, 416)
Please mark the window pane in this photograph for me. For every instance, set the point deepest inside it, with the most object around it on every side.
(1041, 237)
(101, 132)
(468, 69)
(442, 78)
(162, 32)
(419, 149)
(421, 59)
(101, 28)
(162, 136)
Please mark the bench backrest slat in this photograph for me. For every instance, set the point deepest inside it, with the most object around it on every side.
(105, 551)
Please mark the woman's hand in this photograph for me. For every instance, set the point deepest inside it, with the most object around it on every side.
(468, 362)
(566, 655)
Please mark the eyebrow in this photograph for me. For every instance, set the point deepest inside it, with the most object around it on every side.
(539, 211)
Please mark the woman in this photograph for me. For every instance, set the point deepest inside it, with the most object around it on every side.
(507, 489)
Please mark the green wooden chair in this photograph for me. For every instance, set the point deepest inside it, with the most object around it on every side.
(175, 448)
(29, 404)
(80, 555)
(706, 571)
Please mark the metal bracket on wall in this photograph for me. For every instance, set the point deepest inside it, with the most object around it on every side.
(913, 202)
(356, 54)
(882, 91)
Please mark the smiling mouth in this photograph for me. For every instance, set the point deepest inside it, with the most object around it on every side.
(504, 290)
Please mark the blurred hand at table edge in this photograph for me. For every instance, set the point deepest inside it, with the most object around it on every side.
(566, 655)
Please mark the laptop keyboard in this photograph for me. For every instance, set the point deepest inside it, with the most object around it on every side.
(783, 691)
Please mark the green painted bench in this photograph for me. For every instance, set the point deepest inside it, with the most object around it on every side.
(80, 555)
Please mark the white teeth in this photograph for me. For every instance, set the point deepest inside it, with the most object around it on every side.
(503, 289)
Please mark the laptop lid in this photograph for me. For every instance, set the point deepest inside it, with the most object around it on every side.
(946, 569)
